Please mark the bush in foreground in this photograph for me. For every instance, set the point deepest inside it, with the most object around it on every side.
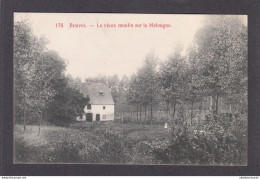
(219, 143)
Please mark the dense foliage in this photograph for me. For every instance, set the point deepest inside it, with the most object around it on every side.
(214, 67)
(67, 104)
(39, 82)
(220, 140)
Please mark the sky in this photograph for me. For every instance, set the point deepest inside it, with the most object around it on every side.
(93, 50)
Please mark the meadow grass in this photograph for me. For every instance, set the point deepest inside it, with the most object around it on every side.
(83, 142)
(217, 140)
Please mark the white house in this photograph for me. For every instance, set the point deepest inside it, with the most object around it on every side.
(101, 106)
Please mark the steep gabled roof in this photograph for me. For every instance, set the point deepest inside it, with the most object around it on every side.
(98, 93)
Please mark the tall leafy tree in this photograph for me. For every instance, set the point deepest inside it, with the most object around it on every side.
(32, 70)
(48, 68)
(133, 95)
(150, 82)
(174, 78)
(144, 86)
(38, 72)
(221, 62)
(194, 94)
(23, 45)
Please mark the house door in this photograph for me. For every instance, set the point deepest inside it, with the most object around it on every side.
(97, 117)
(89, 117)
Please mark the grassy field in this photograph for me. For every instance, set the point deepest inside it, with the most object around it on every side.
(88, 143)
(216, 140)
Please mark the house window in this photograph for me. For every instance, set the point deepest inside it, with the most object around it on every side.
(101, 93)
(104, 107)
(104, 116)
(89, 106)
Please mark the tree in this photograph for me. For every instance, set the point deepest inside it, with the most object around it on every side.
(194, 94)
(144, 86)
(133, 95)
(174, 79)
(48, 68)
(33, 68)
(38, 72)
(23, 45)
(124, 82)
(66, 105)
(149, 83)
(221, 62)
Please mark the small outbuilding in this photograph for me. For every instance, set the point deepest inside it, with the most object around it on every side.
(101, 106)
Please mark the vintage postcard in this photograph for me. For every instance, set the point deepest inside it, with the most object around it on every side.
(149, 89)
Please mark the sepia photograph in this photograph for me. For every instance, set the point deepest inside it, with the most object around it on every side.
(130, 89)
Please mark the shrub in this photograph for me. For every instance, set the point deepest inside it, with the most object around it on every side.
(222, 142)
(143, 153)
(25, 153)
(114, 149)
(67, 151)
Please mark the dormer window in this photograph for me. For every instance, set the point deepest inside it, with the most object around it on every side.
(101, 93)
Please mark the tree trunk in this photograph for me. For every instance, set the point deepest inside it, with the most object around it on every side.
(217, 104)
(140, 114)
(137, 112)
(24, 119)
(40, 123)
(201, 107)
(174, 109)
(230, 108)
(151, 114)
(145, 115)
(167, 108)
(211, 103)
(42, 88)
(191, 113)
(185, 130)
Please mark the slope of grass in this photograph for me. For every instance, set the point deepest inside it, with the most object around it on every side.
(85, 143)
